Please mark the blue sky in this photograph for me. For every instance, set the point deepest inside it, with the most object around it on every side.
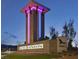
(13, 21)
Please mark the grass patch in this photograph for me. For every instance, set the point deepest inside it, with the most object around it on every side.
(20, 56)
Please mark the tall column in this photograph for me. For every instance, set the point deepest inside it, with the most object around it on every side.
(28, 27)
(32, 30)
(42, 25)
(35, 25)
(31, 27)
(26, 30)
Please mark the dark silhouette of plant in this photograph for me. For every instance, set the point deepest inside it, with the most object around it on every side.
(69, 33)
(66, 31)
(40, 39)
(46, 37)
(53, 33)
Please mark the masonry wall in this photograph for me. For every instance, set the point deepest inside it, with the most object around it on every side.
(49, 47)
(60, 46)
(44, 50)
(53, 46)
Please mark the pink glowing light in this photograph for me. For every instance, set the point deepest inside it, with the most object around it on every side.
(39, 10)
(28, 11)
(28, 27)
(33, 8)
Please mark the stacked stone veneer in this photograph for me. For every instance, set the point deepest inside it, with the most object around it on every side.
(49, 46)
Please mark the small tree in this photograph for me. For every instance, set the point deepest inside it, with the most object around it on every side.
(53, 33)
(69, 33)
(65, 31)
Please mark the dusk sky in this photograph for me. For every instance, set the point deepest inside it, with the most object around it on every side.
(13, 20)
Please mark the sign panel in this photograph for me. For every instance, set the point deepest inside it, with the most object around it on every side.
(37, 46)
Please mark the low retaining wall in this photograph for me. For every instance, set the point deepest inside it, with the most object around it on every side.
(49, 47)
(44, 50)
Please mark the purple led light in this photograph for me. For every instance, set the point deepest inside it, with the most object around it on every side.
(39, 10)
(28, 27)
(33, 8)
(28, 11)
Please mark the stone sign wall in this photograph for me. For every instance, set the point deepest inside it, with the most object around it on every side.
(44, 47)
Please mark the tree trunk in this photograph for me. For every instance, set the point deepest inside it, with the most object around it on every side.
(70, 47)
